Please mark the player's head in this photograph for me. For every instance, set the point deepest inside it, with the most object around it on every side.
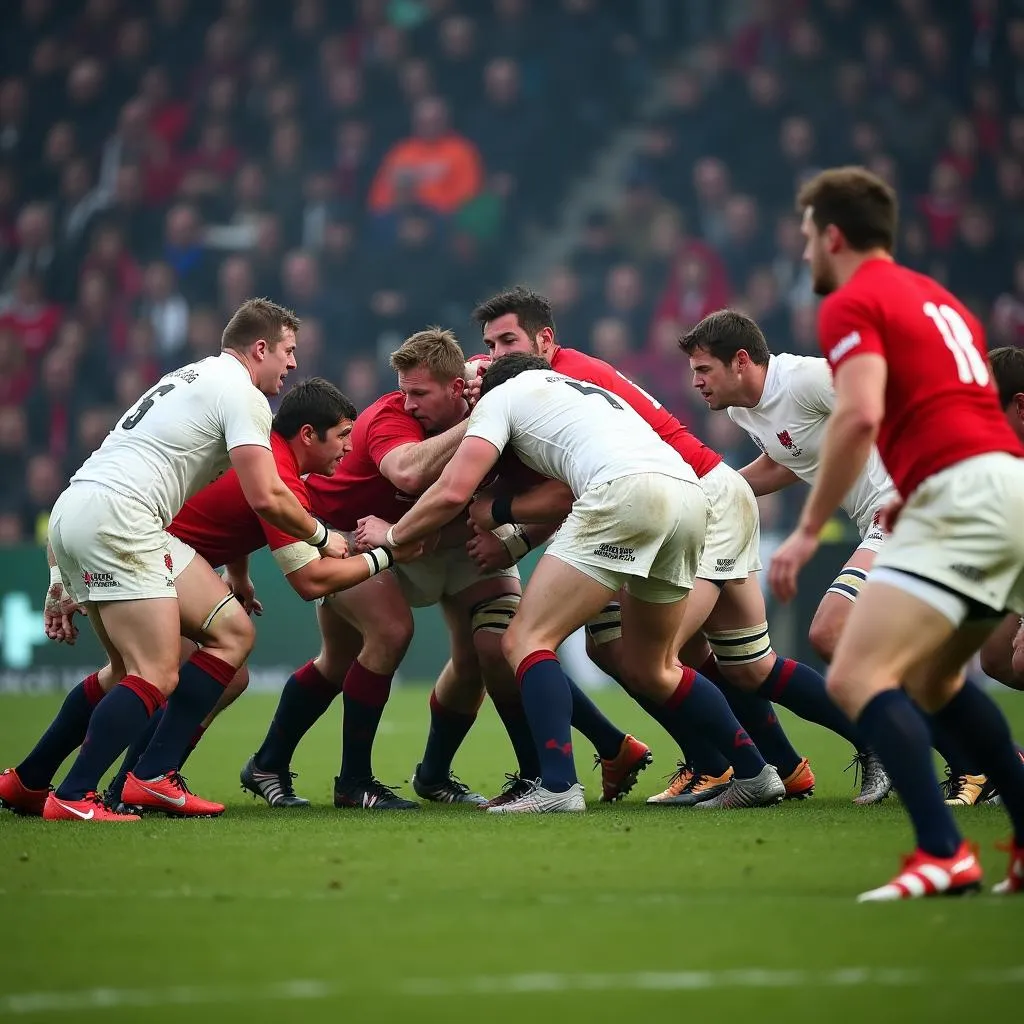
(848, 212)
(507, 367)
(431, 374)
(316, 420)
(1008, 370)
(263, 335)
(517, 320)
(728, 356)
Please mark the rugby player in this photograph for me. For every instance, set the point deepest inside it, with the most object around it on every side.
(725, 617)
(400, 445)
(637, 525)
(910, 373)
(112, 552)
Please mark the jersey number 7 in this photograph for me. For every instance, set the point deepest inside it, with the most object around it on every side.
(591, 389)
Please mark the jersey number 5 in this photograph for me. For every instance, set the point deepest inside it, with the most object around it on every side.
(133, 418)
(591, 389)
(970, 366)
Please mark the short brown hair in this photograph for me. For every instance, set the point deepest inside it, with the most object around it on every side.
(257, 319)
(1008, 369)
(860, 204)
(725, 333)
(436, 349)
(532, 310)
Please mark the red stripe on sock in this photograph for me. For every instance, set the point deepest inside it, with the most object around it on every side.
(367, 687)
(92, 689)
(309, 677)
(533, 659)
(216, 668)
(146, 692)
(682, 691)
(785, 673)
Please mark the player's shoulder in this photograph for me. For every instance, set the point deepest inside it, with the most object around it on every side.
(572, 363)
(389, 404)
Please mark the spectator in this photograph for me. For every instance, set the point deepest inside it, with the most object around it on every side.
(458, 64)
(1008, 312)
(564, 294)
(91, 429)
(37, 253)
(139, 224)
(30, 318)
(624, 299)
(913, 123)
(13, 108)
(695, 288)
(792, 275)
(303, 289)
(204, 331)
(978, 262)
(353, 167)
(742, 246)
(443, 166)
(942, 206)
(16, 378)
(44, 481)
(236, 283)
(711, 190)
(597, 253)
(166, 310)
(59, 148)
(14, 435)
(108, 256)
(361, 382)
(185, 252)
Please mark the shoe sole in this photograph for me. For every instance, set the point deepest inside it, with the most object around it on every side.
(144, 811)
(630, 779)
(461, 802)
(693, 800)
(860, 801)
(804, 794)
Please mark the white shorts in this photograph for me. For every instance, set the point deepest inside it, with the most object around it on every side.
(874, 537)
(732, 548)
(643, 532)
(961, 529)
(109, 547)
(445, 572)
(181, 554)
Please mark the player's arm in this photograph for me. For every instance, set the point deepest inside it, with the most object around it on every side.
(443, 500)
(414, 466)
(549, 502)
(849, 436)
(271, 499)
(323, 576)
(766, 476)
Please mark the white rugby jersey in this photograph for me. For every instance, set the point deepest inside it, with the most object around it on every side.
(788, 425)
(574, 432)
(175, 440)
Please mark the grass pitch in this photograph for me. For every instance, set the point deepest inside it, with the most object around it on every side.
(448, 914)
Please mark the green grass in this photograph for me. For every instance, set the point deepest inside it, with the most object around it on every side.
(452, 915)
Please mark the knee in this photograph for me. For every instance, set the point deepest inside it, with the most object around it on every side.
(236, 687)
(384, 645)
(232, 637)
(490, 653)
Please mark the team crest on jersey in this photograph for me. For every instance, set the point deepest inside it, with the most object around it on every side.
(787, 442)
(168, 562)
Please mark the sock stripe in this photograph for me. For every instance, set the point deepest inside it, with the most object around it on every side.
(150, 696)
(216, 668)
(366, 687)
(92, 689)
(534, 658)
(682, 691)
(786, 670)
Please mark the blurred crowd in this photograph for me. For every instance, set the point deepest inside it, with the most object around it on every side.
(378, 165)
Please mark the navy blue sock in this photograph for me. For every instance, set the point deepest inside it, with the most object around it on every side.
(698, 751)
(448, 728)
(548, 706)
(116, 721)
(951, 750)
(513, 717)
(589, 719)
(975, 719)
(798, 687)
(131, 758)
(363, 695)
(201, 681)
(700, 701)
(758, 717)
(306, 696)
(64, 735)
(897, 733)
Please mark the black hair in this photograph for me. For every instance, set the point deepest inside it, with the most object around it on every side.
(1008, 369)
(314, 401)
(507, 367)
(532, 310)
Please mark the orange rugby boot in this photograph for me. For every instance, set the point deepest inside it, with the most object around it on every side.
(800, 782)
(619, 774)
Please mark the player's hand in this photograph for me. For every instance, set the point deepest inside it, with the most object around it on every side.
(336, 546)
(480, 513)
(794, 553)
(371, 532)
(58, 615)
(890, 513)
(488, 552)
(245, 591)
(475, 370)
(408, 552)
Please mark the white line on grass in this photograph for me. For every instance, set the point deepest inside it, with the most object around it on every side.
(24, 1003)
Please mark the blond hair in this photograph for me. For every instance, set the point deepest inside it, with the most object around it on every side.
(434, 349)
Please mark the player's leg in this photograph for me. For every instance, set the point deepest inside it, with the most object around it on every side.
(834, 608)
(24, 788)
(737, 624)
(306, 696)
(380, 612)
(997, 653)
(224, 635)
(651, 632)
(558, 600)
(892, 635)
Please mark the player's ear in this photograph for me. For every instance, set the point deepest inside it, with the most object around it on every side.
(458, 387)
(1018, 405)
(833, 238)
(259, 350)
